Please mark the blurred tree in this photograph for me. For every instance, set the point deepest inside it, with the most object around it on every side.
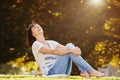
(15, 16)
(106, 50)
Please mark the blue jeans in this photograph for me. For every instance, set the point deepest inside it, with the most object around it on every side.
(64, 65)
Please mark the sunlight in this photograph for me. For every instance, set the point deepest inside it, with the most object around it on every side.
(96, 2)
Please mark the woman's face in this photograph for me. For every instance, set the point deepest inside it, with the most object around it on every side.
(36, 30)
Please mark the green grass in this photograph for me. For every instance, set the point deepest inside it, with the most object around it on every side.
(30, 77)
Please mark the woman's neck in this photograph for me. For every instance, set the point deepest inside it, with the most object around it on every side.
(41, 38)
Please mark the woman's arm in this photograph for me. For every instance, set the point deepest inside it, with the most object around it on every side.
(76, 51)
(60, 50)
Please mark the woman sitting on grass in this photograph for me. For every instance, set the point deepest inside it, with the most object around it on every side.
(54, 58)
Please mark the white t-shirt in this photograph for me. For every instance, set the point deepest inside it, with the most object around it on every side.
(45, 61)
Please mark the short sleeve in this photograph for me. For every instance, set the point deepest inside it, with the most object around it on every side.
(36, 46)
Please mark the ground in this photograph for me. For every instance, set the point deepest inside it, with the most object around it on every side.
(32, 77)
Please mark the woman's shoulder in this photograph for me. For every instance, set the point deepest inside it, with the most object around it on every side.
(36, 43)
(51, 41)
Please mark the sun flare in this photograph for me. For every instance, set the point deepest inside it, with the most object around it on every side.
(96, 2)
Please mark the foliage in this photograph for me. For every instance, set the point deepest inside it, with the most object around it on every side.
(19, 66)
(8, 69)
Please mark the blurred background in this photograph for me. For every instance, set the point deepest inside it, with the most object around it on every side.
(93, 25)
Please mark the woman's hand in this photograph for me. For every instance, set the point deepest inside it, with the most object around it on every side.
(76, 51)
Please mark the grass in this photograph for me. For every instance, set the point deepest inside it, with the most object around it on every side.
(32, 77)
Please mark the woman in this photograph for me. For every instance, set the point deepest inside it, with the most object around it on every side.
(54, 58)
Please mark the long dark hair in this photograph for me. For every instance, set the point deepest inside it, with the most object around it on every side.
(31, 38)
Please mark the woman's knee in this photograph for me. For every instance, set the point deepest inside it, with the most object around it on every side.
(70, 45)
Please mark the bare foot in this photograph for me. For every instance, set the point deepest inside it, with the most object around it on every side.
(95, 73)
(84, 74)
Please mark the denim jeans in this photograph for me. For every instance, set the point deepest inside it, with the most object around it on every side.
(64, 65)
